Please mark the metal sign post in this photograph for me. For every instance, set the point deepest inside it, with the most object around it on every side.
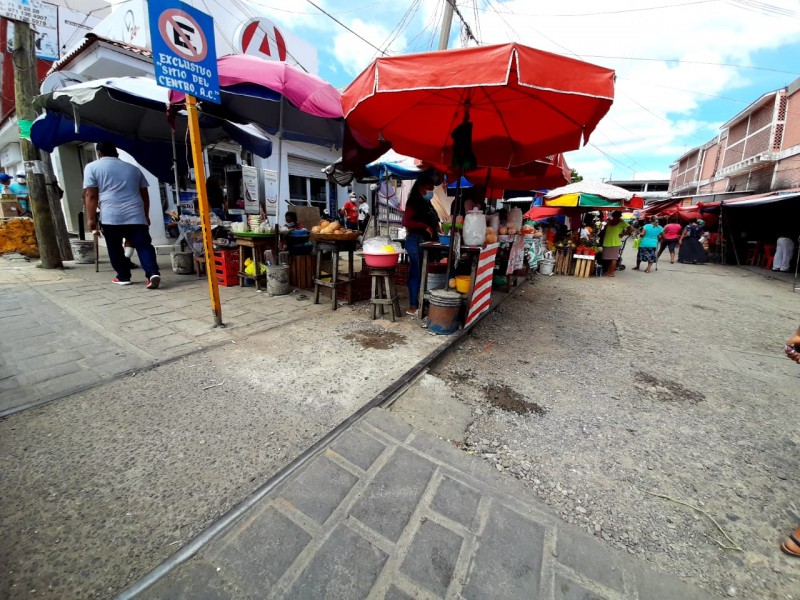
(185, 60)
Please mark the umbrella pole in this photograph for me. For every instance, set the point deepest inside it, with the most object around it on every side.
(453, 217)
(175, 171)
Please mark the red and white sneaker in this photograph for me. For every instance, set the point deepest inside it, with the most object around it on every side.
(118, 281)
(154, 282)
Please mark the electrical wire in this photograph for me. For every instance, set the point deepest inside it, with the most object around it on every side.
(330, 16)
(692, 62)
(764, 8)
(612, 12)
(464, 25)
(401, 25)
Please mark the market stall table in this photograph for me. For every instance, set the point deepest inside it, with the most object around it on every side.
(334, 247)
(258, 243)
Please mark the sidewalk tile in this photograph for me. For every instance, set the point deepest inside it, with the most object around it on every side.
(569, 590)
(31, 377)
(346, 566)
(589, 558)
(456, 501)
(319, 489)
(395, 593)
(195, 580)
(358, 448)
(389, 500)
(508, 563)
(432, 557)
(667, 587)
(256, 553)
(388, 423)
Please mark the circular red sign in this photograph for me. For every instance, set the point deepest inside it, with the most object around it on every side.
(183, 34)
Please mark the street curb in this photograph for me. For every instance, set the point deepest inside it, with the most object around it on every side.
(383, 399)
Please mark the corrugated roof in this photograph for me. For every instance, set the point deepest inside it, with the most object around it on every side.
(90, 40)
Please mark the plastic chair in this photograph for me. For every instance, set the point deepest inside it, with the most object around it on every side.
(768, 255)
(752, 253)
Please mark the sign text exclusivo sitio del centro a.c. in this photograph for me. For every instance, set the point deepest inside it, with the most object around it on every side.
(185, 76)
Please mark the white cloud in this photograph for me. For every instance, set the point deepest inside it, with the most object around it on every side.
(353, 54)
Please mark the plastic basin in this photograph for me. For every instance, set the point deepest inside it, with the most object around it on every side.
(381, 261)
(463, 283)
(444, 239)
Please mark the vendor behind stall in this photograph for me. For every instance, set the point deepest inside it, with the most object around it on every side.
(422, 225)
(291, 221)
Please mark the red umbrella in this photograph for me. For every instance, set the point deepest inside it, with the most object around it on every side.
(547, 173)
(513, 104)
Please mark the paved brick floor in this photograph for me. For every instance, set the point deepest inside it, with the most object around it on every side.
(388, 512)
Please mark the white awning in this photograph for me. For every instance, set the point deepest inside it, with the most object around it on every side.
(769, 199)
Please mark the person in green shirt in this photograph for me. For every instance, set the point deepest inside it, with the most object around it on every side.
(615, 229)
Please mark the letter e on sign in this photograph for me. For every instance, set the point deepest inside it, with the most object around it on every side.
(183, 35)
(261, 38)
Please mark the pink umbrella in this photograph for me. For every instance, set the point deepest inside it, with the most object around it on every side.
(280, 98)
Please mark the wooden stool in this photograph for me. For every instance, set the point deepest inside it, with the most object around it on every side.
(257, 247)
(199, 265)
(384, 293)
(336, 282)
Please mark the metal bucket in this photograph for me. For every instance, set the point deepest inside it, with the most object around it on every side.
(278, 280)
(182, 262)
(82, 251)
(546, 266)
(443, 311)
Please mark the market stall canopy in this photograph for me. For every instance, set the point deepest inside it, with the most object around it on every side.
(396, 165)
(134, 107)
(592, 195)
(282, 99)
(537, 213)
(51, 130)
(500, 106)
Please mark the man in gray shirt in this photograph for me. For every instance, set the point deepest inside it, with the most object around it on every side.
(121, 190)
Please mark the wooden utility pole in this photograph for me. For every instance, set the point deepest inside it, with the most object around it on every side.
(26, 86)
(447, 21)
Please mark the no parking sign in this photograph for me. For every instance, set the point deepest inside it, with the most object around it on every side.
(184, 55)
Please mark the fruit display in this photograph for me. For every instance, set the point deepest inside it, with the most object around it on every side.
(329, 227)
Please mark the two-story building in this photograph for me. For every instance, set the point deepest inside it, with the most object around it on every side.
(757, 151)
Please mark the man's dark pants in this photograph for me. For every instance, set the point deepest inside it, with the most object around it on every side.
(139, 237)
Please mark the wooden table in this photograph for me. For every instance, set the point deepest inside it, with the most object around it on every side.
(334, 247)
(257, 246)
(426, 247)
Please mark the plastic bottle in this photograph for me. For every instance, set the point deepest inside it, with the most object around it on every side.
(515, 218)
(474, 228)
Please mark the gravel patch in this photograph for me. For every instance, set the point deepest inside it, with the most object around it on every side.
(674, 385)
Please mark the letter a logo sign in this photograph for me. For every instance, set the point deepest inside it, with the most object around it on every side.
(262, 39)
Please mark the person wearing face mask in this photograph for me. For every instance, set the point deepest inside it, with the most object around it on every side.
(422, 225)
(20, 189)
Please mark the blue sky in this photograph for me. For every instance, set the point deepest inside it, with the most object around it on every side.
(664, 105)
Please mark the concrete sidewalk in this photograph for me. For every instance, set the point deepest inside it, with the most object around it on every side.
(389, 512)
(67, 330)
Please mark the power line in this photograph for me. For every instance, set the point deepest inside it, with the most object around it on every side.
(667, 87)
(764, 8)
(464, 23)
(401, 25)
(691, 62)
(330, 16)
(611, 12)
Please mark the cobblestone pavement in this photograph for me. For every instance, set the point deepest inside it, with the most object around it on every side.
(389, 512)
(63, 331)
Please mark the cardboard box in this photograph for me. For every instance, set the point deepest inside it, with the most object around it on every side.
(9, 208)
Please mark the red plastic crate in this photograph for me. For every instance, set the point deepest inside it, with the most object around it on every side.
(226, 267)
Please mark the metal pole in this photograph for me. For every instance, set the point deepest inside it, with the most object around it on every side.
(202, 201)
(175, 171)
(25, 88)
(447, 21)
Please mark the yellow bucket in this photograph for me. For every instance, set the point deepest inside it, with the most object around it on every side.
(463, 283)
